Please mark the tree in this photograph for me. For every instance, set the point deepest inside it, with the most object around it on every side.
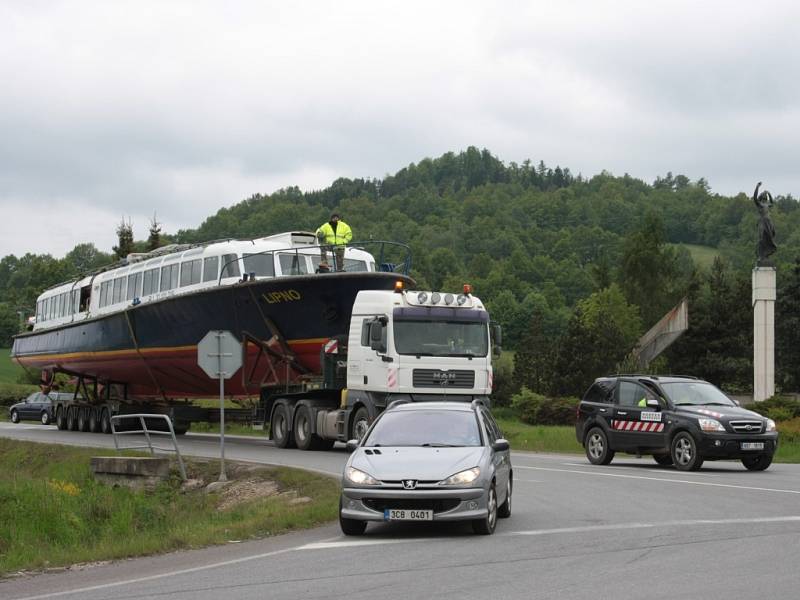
(154, 239)
(9, 324)
(86, 257)
(787, 330)
(125, 237)
(533, 361)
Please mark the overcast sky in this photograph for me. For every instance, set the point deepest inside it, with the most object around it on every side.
(112, 109)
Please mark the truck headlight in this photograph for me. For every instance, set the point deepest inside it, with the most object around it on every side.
(710, 425)
(360, 478)
(463, 477)
(771, 425)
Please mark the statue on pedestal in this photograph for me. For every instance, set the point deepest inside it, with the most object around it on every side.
(766, 230)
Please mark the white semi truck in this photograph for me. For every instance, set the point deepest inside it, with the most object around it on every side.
(402, 345)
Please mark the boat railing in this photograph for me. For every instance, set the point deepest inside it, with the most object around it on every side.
(391, 257)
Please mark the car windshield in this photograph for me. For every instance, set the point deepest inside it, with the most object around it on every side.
(697, 393)
(434, 428)
(441, 338)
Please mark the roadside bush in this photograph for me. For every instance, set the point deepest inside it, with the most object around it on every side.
(789, 431)
(536, 409)
(777, 408)
(11, 393)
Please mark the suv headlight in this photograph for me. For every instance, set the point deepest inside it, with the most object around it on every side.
(770, 425)
(710, 425)
(463, 477)
(360, 478)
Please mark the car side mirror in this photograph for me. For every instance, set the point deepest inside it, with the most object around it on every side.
(653, 403)
(351, 445)
(736, 402)
(501, 445)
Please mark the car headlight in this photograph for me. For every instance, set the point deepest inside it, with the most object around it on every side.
(771, 425)
(360, 478)
(463, 477)
(710, 425)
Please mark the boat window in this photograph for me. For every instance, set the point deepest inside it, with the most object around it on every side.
(134, 285)
(119, 290)
(230, 266)
(63, 305)
(262, 265)
(39, 310)
(169, 277)
(190, 272)
(150, 282)
(293, 264)
(210, 268)
(76, 300)
(104, 287)
(353, 265)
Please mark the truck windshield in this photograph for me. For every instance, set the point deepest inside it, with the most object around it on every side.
(441, 338)
(683, 393)
(430, 428)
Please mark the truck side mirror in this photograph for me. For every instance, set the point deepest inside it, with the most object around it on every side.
(377, 336)
(497, 338)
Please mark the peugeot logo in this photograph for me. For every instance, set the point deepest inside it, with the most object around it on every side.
(409, 484)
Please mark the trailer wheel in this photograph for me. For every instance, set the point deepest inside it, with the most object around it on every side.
(105, 421)
(94, 420)
(72, 424)
(279, 423)
(83, 419)
(61, 418)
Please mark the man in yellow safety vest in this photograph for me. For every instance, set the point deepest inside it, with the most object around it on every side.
(334, 236)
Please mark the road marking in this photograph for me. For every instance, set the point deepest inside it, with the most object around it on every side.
(685, 523)
(666, 479)
(355, 543)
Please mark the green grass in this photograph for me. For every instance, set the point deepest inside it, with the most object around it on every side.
(230, 429)
(703, 256)
(9, 370)
(53, 513)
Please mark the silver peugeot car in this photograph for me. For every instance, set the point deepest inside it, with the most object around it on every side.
(428, 461)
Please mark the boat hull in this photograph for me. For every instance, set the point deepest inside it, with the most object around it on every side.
(152, 347)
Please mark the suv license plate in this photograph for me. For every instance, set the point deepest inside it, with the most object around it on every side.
(752, 445)
(394, 514)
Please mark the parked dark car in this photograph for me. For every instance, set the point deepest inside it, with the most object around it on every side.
(680, 421)
(36, 407)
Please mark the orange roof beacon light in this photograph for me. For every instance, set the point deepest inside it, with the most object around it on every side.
(398, 286)
(467, 289)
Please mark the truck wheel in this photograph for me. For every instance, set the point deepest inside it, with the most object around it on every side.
(360, 423)
(105, 421)
(279, 424)
(94, 420)
(45, 418)
(72, 424)
(303, 437)
(14, 416)
(760, 462)
(83, 419)
(597, 449)
(664, 460)
(61, 418)
(351, 526)
(684, 452)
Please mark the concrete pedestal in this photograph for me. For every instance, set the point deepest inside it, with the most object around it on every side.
(764, 294)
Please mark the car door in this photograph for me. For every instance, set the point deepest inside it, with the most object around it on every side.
(635, 425)
(30, 408)
(501, 460)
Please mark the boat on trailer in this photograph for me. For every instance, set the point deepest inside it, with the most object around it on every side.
(138, 322)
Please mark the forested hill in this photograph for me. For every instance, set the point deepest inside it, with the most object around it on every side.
(547, 250)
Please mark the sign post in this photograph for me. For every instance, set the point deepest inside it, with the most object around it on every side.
(219, 354)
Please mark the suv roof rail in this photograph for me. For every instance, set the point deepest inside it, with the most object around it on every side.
(684, 376)
(630, 375)
(479, 402)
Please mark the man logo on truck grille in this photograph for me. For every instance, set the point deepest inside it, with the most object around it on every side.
(409, 484)
(443, 377)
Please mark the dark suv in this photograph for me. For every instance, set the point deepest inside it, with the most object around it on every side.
(679, 420)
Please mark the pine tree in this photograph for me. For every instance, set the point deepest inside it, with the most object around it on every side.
(125, 237)
(154, 240)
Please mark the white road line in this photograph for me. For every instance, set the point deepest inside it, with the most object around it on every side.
(685, 523)
(654, 467)
(356, 543)
(662, 479)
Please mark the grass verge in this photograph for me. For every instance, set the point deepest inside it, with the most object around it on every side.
(53, 513)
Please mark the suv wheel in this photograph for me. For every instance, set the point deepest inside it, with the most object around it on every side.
(597, 449)
(758, 462)
(684, 452)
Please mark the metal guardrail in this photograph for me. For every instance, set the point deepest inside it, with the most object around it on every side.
(144, 429)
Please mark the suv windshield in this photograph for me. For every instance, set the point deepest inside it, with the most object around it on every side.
(425, 428)
(696, 393)
(441, 338)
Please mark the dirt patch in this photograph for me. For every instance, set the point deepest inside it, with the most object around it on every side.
(239, 492)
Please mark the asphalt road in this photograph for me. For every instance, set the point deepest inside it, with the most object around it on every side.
(628, 530)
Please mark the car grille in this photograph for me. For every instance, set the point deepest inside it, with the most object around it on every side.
(437, 505)
(746, 426)
(443, 378)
